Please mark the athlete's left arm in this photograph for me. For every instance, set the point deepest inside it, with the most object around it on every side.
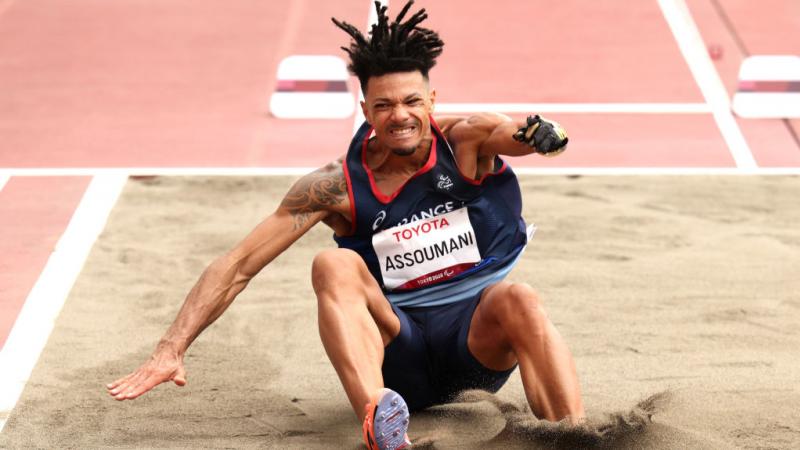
(490, 134)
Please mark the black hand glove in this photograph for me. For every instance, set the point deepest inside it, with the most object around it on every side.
(544, 136)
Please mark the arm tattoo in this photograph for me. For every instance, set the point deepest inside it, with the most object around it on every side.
(315, 192)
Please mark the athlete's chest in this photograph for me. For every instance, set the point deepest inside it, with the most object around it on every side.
(387, 183)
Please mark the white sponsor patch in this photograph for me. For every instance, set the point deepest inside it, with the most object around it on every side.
(426, 251)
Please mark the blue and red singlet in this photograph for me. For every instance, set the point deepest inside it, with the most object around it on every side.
(441, 237)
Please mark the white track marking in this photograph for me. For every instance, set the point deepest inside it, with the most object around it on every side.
(569, 108)
(156, 171)
(577, 108)
(295, 171)
(625, 171)
(3, 181)
(691, 44)
(40, 310)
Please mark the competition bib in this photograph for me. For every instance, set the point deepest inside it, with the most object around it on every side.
(427, 251)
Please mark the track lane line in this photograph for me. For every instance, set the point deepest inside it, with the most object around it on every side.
(646, 171)
(159, 171)
(3, 181)
(297, 171)
(43, 304)
(577, 108)
(34, 213)
(691, 45)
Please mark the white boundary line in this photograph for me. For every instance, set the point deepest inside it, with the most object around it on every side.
(569, 108)
(40, 310)
(154, 171)
(691, 44)
(647, 171)
(3, 181)
(295, 171)
(578, 108)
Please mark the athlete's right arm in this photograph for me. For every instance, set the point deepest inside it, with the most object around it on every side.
(315, 197)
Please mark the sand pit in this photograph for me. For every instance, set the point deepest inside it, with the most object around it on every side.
(679, 297)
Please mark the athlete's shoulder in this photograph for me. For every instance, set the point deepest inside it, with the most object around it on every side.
(324, 189)
(446, 123)
(462, 129)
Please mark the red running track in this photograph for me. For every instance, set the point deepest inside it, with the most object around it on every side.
(186, 84)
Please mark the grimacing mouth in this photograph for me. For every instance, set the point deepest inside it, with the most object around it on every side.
(406, 129)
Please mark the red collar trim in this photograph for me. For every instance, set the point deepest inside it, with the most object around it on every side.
(383, 198)
(350, 196)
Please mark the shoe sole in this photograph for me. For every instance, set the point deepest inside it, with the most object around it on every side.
(389, 422)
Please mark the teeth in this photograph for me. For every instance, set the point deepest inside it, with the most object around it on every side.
(402, 131)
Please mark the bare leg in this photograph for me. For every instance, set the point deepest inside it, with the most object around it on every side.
(355, 322)
(510, 326)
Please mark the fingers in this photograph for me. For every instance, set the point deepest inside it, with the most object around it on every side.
(546, 137)
(526, 133)
(541, 134)
(140, 388)
(120, 390)
(134, 387)
(546, 146)
(143, 380)
(116, 383)
(120, 385)
(550, 138)
(531, 132)
(552, 147)
(545, 131)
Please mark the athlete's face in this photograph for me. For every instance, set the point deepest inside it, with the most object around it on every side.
(399, 105)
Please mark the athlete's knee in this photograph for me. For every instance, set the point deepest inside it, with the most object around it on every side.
(522, 309)
(332, 265)
(336, 268)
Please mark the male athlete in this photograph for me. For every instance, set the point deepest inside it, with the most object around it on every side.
(412, 305)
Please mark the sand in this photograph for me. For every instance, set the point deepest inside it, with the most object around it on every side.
(679, 297)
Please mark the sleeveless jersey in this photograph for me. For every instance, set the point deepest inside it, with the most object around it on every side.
(439, 228)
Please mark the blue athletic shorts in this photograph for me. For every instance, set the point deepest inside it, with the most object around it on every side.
(429, 363)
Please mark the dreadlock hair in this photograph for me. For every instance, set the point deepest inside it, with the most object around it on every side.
(395, 47)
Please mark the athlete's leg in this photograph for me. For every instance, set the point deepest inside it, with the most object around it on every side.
(355, 322)
(509, 326)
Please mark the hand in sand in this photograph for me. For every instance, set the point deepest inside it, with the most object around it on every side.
(160, 368)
